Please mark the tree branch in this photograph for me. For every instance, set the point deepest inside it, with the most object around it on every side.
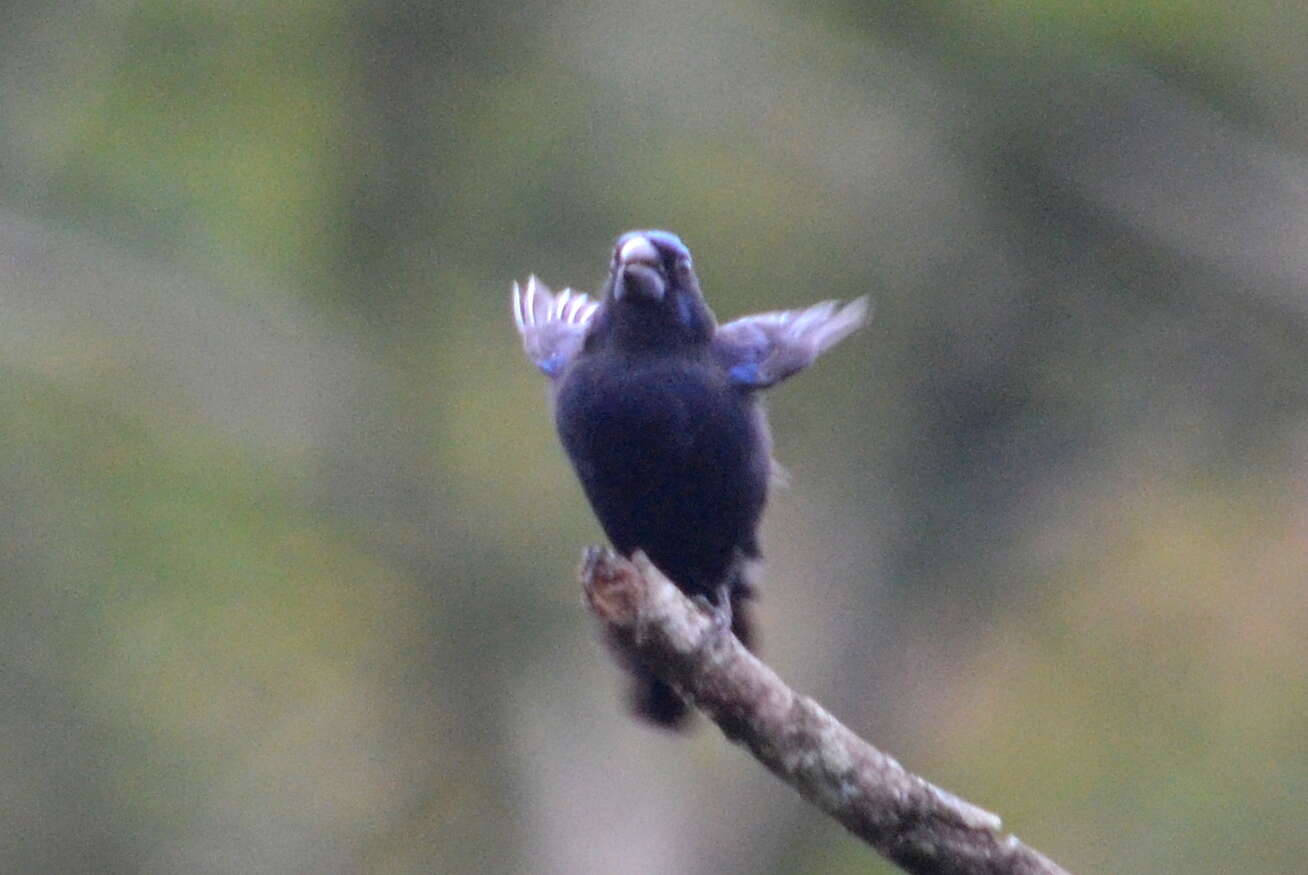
(919, 827)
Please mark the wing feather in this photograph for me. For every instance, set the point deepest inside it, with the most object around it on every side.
(552, 326)
(762, 350)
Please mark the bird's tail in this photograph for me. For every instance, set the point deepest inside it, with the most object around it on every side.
(655, 701)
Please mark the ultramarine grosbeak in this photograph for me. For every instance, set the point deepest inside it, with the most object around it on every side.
(657, 407)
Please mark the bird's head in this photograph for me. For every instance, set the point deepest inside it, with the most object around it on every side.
(653, 289)
(648, 264)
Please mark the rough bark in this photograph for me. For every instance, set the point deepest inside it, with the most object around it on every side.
(919, 827)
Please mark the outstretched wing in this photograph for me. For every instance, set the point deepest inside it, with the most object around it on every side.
(552, 326)
(762, 350)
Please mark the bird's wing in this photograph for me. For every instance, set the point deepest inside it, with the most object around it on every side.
(552, 326)
(762, 350)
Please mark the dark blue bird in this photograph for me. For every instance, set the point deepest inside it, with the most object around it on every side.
(657, 408)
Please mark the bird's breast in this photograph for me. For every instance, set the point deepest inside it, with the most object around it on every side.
(673, 460)
(654, 407)
(669, 427)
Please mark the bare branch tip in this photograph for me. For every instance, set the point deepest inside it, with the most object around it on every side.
(612, 584)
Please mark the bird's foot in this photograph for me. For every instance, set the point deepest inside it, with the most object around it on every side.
(717, 608)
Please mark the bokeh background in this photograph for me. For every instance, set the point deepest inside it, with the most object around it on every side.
(287, 544)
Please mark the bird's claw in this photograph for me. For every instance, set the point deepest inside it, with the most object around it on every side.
(719, 612)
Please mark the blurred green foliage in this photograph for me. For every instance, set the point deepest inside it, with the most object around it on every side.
(287, 542)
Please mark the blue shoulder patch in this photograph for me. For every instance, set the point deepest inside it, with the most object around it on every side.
(745, 374)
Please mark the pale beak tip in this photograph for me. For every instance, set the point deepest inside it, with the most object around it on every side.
(638, 250)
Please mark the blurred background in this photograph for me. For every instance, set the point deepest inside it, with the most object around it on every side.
(287, 543)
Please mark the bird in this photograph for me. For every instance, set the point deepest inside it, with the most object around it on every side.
(657, 408)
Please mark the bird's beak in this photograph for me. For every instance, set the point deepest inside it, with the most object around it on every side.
(638, 250)
(639, 270)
